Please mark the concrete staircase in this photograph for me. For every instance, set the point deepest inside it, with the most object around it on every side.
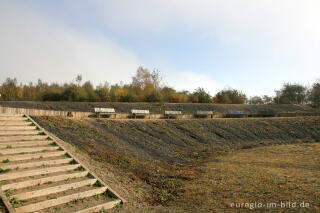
(37, 174)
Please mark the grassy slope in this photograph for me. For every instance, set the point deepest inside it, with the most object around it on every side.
(172, 160)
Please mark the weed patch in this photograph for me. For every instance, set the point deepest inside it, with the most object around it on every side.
(6, 161)
(4, 170)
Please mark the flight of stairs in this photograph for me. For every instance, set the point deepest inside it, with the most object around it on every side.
(37, 174)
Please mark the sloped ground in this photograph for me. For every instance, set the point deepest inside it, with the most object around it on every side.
(181, 141)
(160, 107)
(157, 165)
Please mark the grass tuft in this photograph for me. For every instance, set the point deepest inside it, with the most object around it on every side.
(6, 161)
(4, 170)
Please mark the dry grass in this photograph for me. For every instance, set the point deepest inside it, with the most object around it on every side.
(262, 175)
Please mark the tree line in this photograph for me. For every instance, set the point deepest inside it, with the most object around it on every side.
(147, 86)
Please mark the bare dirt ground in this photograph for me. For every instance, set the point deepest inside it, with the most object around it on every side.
(160, 107)
(202, 165)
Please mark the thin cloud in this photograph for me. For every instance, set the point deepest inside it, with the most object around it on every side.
(279, 40)
(33, 47)
(262, 43)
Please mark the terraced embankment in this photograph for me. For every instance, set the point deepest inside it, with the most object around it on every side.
(162, 157)
(38, 174)
(180, 140)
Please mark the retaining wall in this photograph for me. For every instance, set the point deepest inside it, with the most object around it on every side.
(73, 114)
(41, 112)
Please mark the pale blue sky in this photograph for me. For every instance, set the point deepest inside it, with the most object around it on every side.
(250, 45)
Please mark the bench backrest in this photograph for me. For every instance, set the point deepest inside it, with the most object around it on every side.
(104, 110)
(204, 112)
(139, 111)
(172, 112)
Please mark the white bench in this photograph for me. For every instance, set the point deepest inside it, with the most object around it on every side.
(204, 113)
(169, 114)
(105, 111)
(139, 112)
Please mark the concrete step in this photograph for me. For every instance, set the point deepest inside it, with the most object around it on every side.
(10, 128)
(22, 138)
(15, 123)
(13, 118)
(34, 172)
(105, 206)
(28, 183)
(60, 200)
(19, 141)
(9, 151)
(24, 144)
(32, 156)
(55, 189)
(35, 164)
(23, 132)
(10, 115)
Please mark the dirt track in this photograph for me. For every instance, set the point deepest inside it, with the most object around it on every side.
(160, 107)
